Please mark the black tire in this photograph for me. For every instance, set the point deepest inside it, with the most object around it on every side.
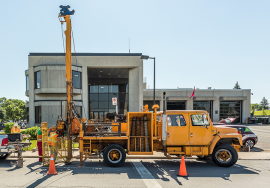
(226, 151)
(249, 143)
(118, 159)
(4, 156)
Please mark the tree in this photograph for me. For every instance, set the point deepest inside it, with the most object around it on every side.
(264, 104)
(2, 100)
(255, 106)
(236, 86)
(15, 109)
(2, 114)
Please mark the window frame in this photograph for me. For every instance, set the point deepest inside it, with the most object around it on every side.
(199, 125)
(38, 116)
(35, 79)
(27, 82)
(176, 122)
(80, 81)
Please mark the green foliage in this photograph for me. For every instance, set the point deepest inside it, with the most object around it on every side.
(264, 103)
(236, 86)
(8, 127)
(2, 100)
(2, 114)
(32, 132)
(15, 109)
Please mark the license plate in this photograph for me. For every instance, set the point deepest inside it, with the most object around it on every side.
(4, 150)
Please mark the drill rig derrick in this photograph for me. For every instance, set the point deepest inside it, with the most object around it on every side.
(72, 119)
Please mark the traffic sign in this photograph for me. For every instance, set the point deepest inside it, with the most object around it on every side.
(114, 101)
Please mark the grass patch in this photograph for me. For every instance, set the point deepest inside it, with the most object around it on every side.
(33, 145)
(261, 113)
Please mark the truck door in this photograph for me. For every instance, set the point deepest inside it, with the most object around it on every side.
(200, 131)
(177, 130)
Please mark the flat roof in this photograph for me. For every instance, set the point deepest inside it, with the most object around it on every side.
(86, 54)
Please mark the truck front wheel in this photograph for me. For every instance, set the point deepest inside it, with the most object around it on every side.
(114, 155)
(224, 155)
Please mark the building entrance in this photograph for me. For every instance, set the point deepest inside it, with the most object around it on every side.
(105, 84)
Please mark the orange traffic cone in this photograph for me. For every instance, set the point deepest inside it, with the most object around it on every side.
(182, 170)
(52, 170)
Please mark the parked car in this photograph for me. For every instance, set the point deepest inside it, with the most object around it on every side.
(226, 121)
(4, 148)
(248, 137)
(2, 126)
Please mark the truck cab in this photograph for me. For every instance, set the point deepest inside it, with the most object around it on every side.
(191, 132)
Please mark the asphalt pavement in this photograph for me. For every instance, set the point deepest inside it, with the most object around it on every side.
(251, 170)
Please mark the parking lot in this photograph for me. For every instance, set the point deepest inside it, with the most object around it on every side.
(251, 170)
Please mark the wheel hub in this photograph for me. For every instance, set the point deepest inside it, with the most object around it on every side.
(114, 155)
(223, 155)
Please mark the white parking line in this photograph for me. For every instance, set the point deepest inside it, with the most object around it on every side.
(146, 176)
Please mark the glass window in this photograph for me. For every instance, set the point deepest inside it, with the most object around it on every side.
(37, 114)
(94, 97)
(199, 120)
(203, 105)
(27, 114)
(76, 80)
(79, 111)
(93, 105)
(37, 79)
(176, 120)
(104, 97)
(103, 89)
(93, 89)
(113, 88)
(103, 105)
(247, 129)
(27, 82)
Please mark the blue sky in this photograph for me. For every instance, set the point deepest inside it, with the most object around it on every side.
(196, 43)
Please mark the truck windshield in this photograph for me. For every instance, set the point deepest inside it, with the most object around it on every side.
(199, 120)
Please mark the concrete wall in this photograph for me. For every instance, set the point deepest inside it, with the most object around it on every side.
(53, 81)
(214, 95)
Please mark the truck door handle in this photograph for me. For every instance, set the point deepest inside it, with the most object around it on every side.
(191, 134)
(168, 134)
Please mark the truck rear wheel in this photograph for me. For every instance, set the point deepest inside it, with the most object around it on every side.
(224, 155)
(114, 155)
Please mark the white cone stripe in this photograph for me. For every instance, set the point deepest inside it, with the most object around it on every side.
(146, 176)
(52, 158)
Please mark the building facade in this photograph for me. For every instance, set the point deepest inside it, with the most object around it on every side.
(99, 77)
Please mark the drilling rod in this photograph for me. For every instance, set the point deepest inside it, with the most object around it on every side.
(65, 13)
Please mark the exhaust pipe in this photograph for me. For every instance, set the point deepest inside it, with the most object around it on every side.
(164, 124)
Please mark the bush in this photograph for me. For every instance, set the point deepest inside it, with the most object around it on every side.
(32, 132)
(8, 127)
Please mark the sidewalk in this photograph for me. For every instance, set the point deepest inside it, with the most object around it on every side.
(159, 155)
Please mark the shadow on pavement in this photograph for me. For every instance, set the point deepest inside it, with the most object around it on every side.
(163, 169)
(255, 149)
(160, 170)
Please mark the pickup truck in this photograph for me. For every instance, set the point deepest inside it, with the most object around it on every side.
(4, 148)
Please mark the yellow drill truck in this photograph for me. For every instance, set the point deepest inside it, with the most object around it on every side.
(171, 132)
(181, 132)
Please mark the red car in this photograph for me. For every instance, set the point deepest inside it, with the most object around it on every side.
(227, 120)
(248, 137)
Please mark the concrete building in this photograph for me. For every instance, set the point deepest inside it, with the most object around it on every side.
(99, 77)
